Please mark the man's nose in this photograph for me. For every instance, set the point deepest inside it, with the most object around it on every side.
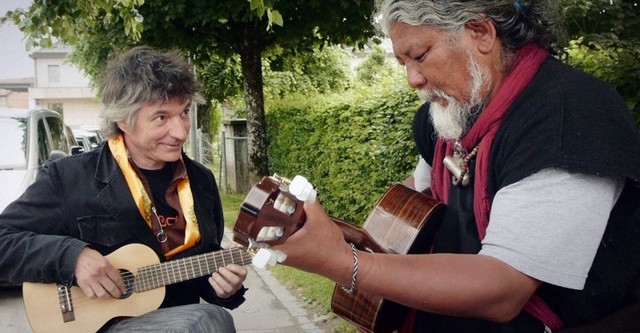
(414, 76)
(179, 128)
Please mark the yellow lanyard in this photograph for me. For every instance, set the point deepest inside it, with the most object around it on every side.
(143, 201)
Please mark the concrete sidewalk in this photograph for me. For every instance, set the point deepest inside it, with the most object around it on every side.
(270, 307)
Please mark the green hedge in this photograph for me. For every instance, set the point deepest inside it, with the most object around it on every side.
(351, 147)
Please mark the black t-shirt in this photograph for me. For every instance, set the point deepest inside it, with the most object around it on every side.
(159, 181)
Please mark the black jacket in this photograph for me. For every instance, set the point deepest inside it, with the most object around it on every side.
(84, 200)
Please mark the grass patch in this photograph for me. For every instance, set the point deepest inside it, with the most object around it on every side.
(230, 206)
(315, 290)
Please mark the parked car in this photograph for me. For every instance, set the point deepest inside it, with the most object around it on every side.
(83, 141)
(72, 140)
(29, 138)
(90, 133)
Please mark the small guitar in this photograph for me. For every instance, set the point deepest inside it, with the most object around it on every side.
(403, 221)
(59, 308)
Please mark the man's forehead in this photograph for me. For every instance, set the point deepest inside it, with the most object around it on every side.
(165, 106)
(405, 37)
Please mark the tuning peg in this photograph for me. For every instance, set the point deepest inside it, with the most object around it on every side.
(269, 257)
(302, 189)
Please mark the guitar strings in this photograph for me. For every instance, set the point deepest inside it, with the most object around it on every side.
(153, 276)
(150, 277)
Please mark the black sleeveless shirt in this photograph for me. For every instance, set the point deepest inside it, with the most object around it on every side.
(564, 119)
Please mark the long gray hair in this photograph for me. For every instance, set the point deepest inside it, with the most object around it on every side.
(143, 75)
(517, 22)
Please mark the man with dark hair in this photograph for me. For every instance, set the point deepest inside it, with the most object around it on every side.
(138, 187)
(538, 165)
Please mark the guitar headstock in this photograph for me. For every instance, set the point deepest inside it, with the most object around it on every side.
(269, 214)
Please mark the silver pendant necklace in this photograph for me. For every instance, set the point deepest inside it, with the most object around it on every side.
(458, 164)
(161, 236)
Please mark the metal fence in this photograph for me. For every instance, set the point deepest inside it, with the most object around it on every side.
(227, 161)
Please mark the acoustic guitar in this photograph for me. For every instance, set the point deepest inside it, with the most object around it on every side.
(59, 308)
(403, 221)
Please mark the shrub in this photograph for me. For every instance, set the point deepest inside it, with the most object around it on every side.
(352, 146)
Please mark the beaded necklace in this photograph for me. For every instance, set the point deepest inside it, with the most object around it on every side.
(458, 164)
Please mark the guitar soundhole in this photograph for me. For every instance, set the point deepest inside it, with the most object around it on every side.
(128, 279)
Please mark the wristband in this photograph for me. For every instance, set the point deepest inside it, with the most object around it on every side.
(355, 272)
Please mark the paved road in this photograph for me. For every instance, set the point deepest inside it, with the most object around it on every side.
(270, 307)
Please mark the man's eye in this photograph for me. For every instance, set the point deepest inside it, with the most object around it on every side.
(418, 59)
(421, 57)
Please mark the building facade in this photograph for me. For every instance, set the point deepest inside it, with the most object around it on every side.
(14, 93)
(13, 99)
(61, 86)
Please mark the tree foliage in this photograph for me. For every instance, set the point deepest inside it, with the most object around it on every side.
(322, 70)
(209, 31)
(69, 20)
(597, 18)
(376, 69)
(370, 68)
(605, 41)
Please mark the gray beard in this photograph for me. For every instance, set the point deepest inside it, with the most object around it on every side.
(452, 121)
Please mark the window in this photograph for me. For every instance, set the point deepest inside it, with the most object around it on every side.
(58, 138)
(54, 73)
(43, 142)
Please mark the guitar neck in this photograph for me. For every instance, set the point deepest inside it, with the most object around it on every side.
(357, 236)
(174, 271)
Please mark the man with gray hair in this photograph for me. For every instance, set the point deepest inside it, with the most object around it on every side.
(538, 165)
(138, 188)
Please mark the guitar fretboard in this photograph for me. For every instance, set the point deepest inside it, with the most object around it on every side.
(174, 271)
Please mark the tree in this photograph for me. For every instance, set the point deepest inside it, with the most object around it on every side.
(322, 71)
(206, 30)
(374, 67)
(605, 41)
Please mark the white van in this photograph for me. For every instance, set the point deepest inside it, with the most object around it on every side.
(29, 138)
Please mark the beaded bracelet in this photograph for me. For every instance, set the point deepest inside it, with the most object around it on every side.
(355, 271)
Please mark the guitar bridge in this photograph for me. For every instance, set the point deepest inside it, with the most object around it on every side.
(66, 303)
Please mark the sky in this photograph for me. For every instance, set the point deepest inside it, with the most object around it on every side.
(14, 58)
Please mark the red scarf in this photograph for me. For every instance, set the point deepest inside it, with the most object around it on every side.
(481, 134)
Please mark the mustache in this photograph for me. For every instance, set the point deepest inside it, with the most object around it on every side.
(428, 95)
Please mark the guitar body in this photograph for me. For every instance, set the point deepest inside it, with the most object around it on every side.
(43, 304)
(56, 308)
(404, 221)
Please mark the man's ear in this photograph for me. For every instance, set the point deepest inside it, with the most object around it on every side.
(483, 33)
(123, 126)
